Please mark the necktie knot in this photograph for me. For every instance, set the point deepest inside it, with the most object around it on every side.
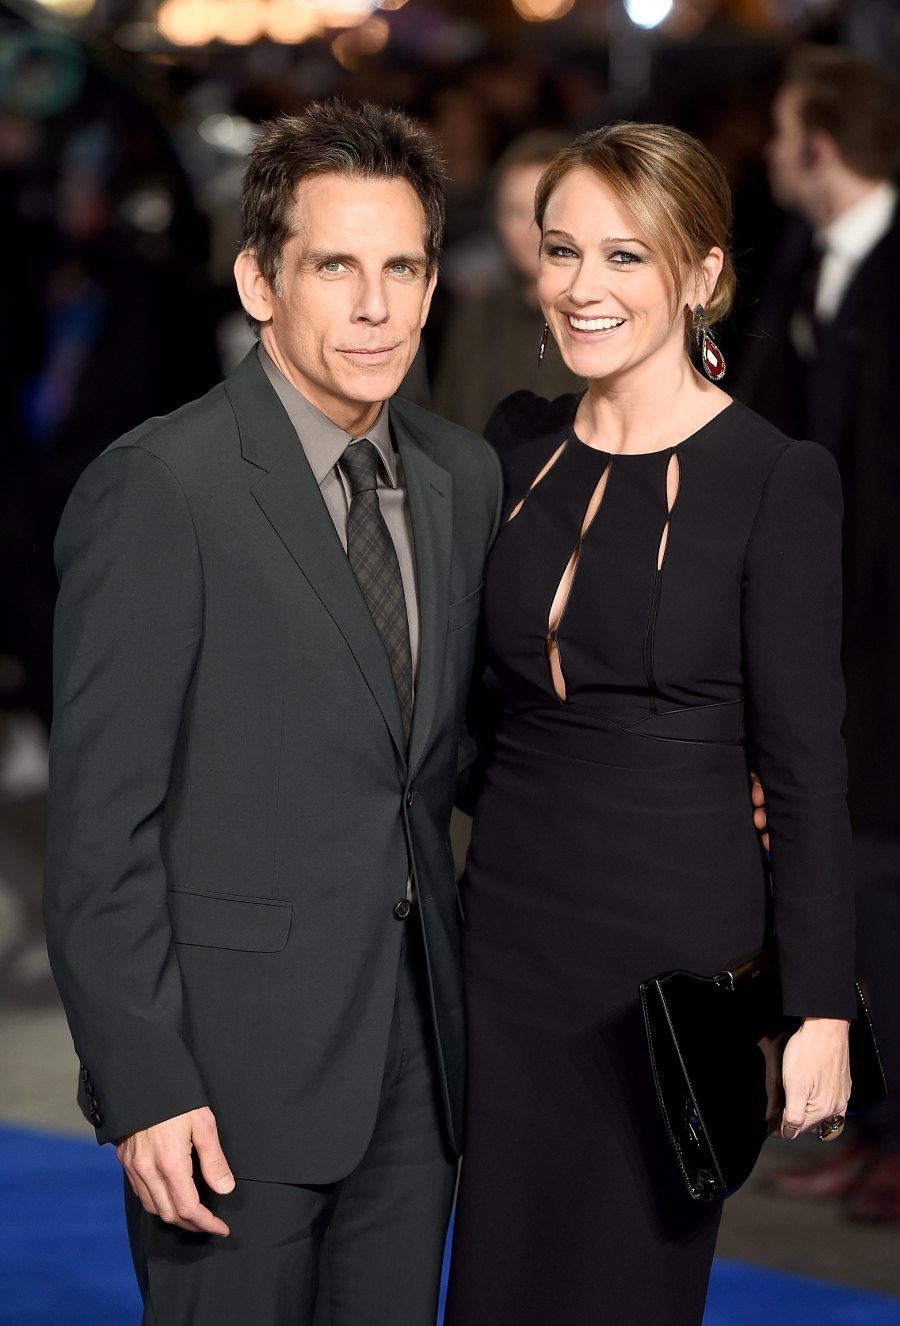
(360, 464)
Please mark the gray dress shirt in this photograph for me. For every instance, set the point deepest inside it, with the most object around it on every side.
(323, 444)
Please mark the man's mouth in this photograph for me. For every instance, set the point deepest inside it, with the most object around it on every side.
(367, 349)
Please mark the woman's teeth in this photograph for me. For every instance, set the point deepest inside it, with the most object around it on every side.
(594, 324)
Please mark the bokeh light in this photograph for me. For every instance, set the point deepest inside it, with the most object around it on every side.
(648, 13)
(344, 13)
(69, 8)
(542, 11)
(290, 21)
(350, 48)
(187, 22)
(240, 22)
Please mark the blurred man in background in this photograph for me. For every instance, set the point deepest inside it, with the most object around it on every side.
(826, 365)
(492, 339)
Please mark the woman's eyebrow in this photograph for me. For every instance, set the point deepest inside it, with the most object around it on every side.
(610, 239)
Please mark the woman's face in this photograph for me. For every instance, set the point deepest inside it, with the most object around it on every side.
(605, 292)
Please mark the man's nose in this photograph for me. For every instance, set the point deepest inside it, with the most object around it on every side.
(371, 303)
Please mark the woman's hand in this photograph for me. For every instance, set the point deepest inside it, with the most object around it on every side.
(816, 1073)
(758, 798)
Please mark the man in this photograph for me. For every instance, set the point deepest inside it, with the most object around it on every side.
(827, 366)
(490, 347)
(264, 639)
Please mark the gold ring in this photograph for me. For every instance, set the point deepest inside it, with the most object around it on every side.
(831, 1129)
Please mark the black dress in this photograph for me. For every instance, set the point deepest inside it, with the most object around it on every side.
(614, 839)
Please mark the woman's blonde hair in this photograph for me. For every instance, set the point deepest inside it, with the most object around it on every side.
(674, 188)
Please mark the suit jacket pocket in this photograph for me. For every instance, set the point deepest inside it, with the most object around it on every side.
(230, 920)
(464, 611)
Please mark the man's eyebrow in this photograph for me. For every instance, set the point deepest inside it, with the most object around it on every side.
(315, 258)
(411, 259)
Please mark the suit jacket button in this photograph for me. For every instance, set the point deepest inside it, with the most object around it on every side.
(402, 909)
(410, 797)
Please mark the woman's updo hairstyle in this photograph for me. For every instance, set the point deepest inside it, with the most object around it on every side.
(674, 188)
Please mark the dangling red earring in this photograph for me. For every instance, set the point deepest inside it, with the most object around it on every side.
(542, 348)
(712, 361)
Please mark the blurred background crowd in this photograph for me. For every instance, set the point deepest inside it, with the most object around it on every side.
(124, 128)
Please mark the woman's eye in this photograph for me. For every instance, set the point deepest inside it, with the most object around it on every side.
(622, 258)
(559, 251)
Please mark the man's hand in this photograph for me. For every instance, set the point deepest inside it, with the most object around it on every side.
(758, 797)
(158, 1163)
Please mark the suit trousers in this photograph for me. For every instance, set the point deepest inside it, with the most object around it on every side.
(364, 1251)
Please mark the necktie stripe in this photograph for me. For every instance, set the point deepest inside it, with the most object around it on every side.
(373, 560)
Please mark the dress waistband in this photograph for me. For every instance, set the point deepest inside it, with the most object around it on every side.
(720, 724)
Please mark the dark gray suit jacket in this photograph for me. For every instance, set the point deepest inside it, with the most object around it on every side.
(232, 812)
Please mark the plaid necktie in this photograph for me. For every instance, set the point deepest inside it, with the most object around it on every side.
(373, 559)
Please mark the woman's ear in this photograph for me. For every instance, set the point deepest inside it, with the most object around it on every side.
(707, 275)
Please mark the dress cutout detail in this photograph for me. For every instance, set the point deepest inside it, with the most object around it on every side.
(564, 588)
(536, 480)
(673, 483)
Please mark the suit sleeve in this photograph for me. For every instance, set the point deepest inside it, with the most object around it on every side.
(128, 628)
(791, 625)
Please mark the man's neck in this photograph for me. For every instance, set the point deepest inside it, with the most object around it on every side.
(843, 191)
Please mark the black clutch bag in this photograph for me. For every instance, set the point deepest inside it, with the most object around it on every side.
(704, 1034)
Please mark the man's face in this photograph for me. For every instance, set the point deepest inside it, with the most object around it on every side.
(789, 153)
(344, 323)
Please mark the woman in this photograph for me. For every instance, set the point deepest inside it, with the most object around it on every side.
(662, 609)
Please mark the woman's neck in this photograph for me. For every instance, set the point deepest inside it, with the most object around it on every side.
(647, 409)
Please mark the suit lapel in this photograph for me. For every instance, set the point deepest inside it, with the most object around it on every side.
(430, 492)
(289, 496)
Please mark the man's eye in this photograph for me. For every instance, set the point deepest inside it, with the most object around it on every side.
(332, 265)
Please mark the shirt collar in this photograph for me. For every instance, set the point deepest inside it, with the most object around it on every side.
(856, 233)
(322, 440)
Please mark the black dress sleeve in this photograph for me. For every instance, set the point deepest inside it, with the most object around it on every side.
(504, 415)
(525, 430)
(791, 624)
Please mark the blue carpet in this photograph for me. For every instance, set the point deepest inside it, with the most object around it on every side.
(746, 1296)
(64, 1256)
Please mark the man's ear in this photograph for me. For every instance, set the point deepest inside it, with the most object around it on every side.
(819, 149)
(253, 288)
